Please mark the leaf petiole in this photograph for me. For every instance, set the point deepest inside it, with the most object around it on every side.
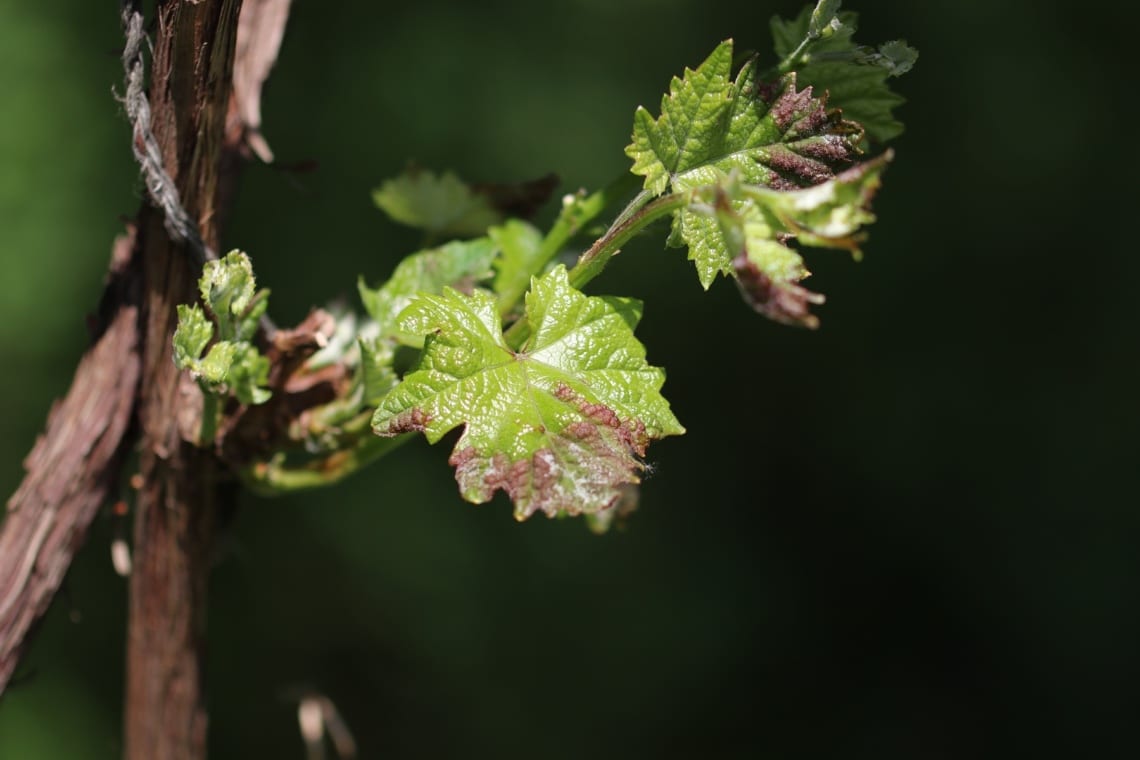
(591, 263)
(274, 477)
(578, 212)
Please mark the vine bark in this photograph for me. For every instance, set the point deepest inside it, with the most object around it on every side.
(191, 81)
(210, 59)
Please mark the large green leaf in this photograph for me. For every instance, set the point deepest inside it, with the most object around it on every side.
(560, 425)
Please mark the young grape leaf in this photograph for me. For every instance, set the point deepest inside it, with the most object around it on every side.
(559, 425)
(248, 375)
(443, 205)
(773, 133)
(193, 334)
(520, 250)
(768, 134)
(228, 367)
(459, 264)
(230, 292)
(829, 215)
(377, 376)
(818, 44)
(232, 365)
(754, 224)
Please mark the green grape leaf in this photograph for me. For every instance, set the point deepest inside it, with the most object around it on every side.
(520, 255)
(753, 225)
(819, 45)
(459, 264)
(829, 215)
(443, 205)
(248, 374)
(193, 334)
(230, 292)
(191, 337)
(560, 425)
(769, 134)
(895, 56)
(773, 133)
(214, 369)
(232, 365)
(377, 375)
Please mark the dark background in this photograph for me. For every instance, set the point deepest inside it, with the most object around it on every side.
(909, 534)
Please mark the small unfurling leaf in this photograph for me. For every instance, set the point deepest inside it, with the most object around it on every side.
(248, 375)
(193, 334)
(232, 365)
(230, 293)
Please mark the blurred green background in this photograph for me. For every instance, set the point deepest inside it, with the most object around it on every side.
(909, 534)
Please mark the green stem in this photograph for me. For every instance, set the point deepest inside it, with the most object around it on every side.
(792, 60)
(593, 261)
(578, 213)
(575, 214)
(274, 477)
(210, 412)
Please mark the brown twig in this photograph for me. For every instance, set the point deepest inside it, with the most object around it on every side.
(73, 465)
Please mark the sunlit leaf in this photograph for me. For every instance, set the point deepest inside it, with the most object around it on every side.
(560, 425)
(459, 264)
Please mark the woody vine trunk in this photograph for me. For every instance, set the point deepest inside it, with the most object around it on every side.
(191, 82)
(210, 59)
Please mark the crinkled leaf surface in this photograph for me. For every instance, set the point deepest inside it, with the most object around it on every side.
(214, 369)
(230, 292)
(763, 161)
(710, 124)
(228, 367)
(459, 264)
(854, 76)
(248, 375)
(768, 134)
(560, 425)
(829, 215)
(192, 335)
(377, 376)
(757, 224)
(232, 365)
(443, 205)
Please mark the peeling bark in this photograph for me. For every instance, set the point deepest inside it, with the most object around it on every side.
(202, 122)
(73, 466)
